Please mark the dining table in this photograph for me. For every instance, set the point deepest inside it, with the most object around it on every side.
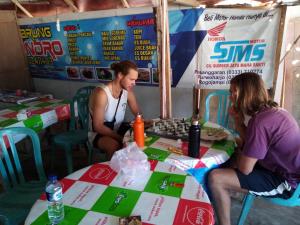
(37, 114)
(172, 193)
(212, 151)
(98, 195)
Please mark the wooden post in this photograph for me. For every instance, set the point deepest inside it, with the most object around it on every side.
(279, 45)
(163, 53)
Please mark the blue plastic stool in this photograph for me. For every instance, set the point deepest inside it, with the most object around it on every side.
(249, 198)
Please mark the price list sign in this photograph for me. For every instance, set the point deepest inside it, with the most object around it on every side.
(84, 49)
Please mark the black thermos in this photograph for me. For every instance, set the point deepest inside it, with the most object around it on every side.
(194, 139)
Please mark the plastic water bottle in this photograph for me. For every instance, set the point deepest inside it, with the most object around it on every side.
(55, 200)
(194, 139)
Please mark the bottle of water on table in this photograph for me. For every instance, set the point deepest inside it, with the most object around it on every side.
(194, 139)
(55, 200)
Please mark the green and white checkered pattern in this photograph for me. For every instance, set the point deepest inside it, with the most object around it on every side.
(167, 195)
(97, 195)
(42, 113)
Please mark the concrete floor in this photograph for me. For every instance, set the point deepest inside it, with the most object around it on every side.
(261, 213)
(265, 213)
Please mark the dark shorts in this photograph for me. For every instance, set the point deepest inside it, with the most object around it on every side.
(121, 131)
(96, 139)
(262, 182)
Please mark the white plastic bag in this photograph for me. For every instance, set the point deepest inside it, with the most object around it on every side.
(131, 163)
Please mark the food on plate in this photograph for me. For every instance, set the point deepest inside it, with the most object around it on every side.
(104, 74)
(72, 72)
(144, 75)
(87, 73)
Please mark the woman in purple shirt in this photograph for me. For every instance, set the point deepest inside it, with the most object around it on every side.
(269, 163)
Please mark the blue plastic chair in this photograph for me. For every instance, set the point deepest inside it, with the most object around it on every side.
(249, 198)
(4, 220)
(86, 90)
(78, 131)
(84, 112)
(223, 105)
(19, 195)
(82, 92)
(74, 136)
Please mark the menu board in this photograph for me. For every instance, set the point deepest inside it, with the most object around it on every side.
(84, 49)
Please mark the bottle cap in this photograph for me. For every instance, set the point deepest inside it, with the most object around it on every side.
(52, 177)
(195, 122)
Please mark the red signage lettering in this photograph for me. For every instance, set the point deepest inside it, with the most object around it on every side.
(44, 48)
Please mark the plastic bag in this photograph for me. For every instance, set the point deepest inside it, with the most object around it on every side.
(131, 163)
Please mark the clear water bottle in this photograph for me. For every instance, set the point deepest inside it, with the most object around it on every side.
(55, 200)
(194, 139)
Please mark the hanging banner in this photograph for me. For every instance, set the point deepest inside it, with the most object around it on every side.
(228, 42)
(211, 45)
(84, 49)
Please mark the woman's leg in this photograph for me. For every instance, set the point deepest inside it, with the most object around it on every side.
(260, 182)
(221, 181)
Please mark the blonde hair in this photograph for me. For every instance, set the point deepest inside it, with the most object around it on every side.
(252, 95)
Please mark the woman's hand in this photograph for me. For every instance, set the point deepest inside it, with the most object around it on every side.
(239, 125)
(237, 115)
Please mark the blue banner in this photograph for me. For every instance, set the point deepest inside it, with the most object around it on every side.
(84, 49)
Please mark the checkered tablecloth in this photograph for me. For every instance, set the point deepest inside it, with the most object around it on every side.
(212, 153)
(169, 194)
(42, 113)
(98, 195)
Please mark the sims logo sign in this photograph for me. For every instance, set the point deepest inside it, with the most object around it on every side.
(239, 51)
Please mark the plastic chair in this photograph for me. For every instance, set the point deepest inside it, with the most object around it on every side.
(4, 220)
(86, 90)
(249, 198)
(223, 105)
(78, 131)
(19, 195)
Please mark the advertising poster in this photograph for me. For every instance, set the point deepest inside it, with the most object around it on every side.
(235, 41)
(207, 45)
(84, 49)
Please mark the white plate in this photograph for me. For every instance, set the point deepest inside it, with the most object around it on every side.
(213, 134)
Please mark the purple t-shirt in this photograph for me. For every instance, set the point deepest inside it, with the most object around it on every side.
(273, 137)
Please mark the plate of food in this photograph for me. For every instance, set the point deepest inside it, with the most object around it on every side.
(213, 134)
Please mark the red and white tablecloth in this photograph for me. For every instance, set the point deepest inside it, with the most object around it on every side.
(41, 113)
(98, 195)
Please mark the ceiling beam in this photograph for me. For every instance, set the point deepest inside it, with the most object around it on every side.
(193, 3)
(70, 3)
(17, 3)
(125, 3)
